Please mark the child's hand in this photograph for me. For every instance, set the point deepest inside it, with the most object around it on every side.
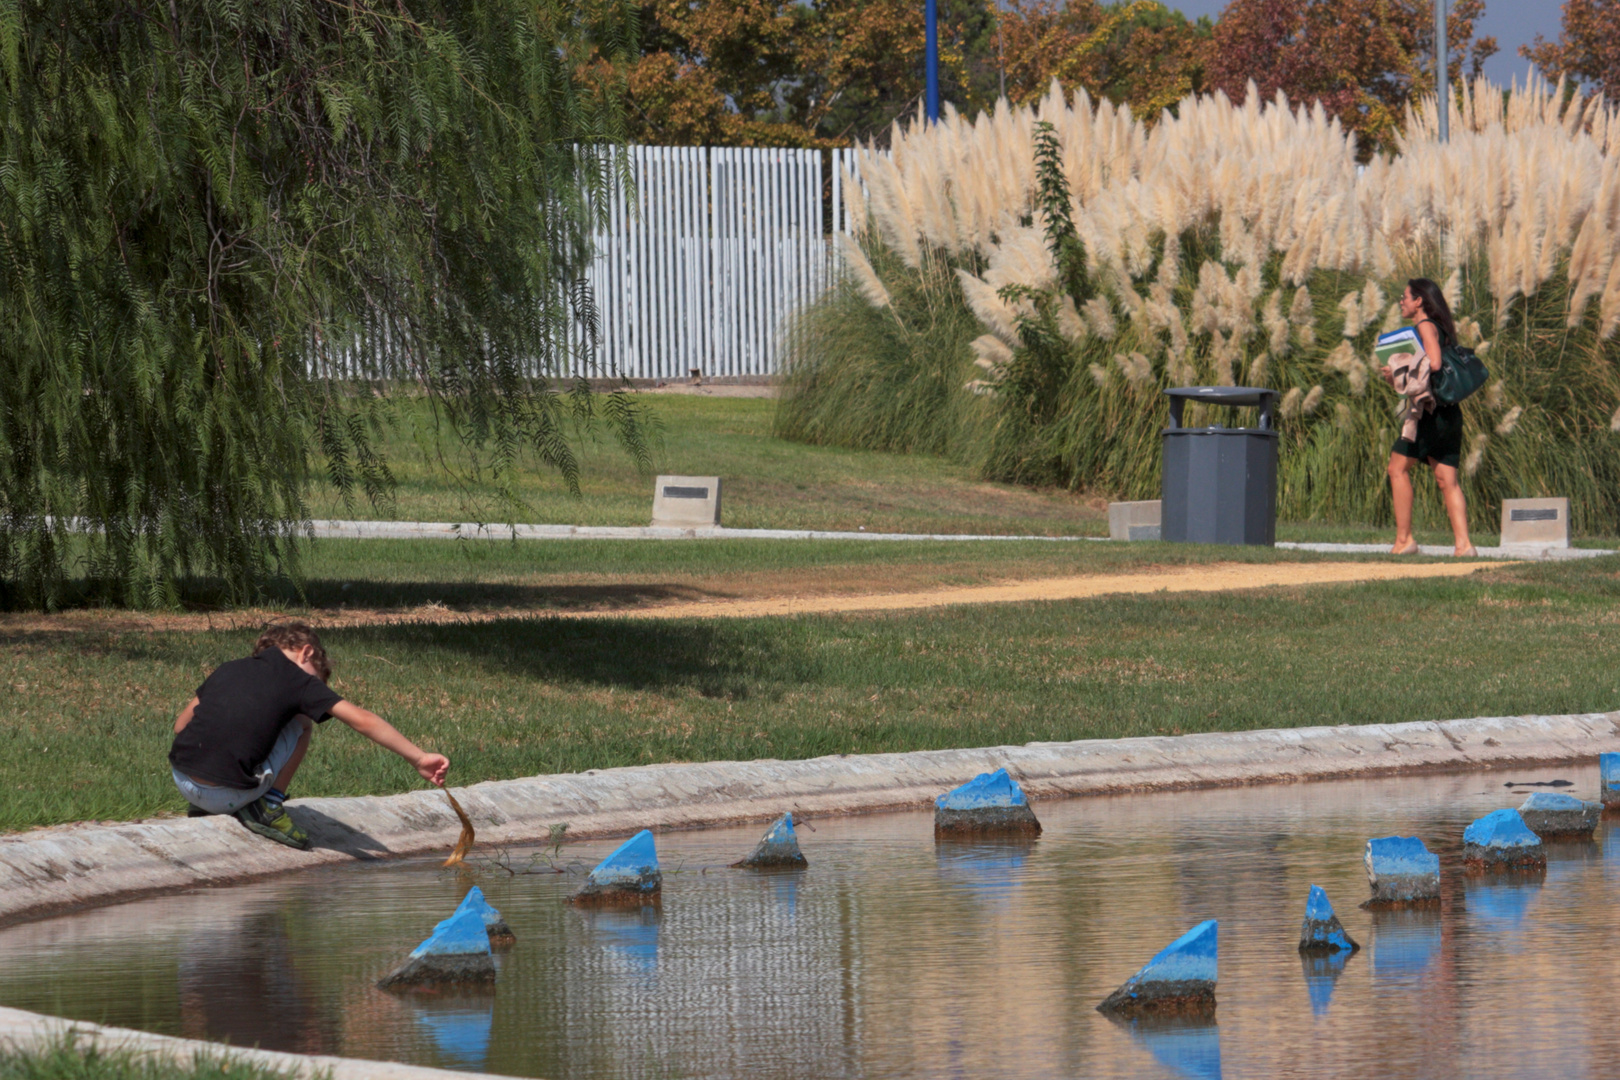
(432, 768)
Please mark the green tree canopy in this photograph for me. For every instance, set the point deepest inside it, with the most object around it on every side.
(205, 207)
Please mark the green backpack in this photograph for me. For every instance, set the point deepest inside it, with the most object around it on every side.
(1460, 374)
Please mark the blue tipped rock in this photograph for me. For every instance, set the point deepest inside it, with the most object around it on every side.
(989, 803)
(1322, 932)
(627, 878)
(1609, 779)
(495, 926)
(1401, 871)
(1180, 979)
(778, 848)
(456, 952)
(1501, 841)
(1564, 816)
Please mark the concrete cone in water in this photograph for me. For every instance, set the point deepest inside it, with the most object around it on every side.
(1322, 932)
(499, 933)
(1401, 871)
(778, 848)
(1179, 980)
(627, 878)
(991, 804)
(1562, 817)
(456, 952)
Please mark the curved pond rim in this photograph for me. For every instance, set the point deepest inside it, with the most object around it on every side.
(51, 871)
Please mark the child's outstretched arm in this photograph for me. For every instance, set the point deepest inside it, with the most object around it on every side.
(432, 767)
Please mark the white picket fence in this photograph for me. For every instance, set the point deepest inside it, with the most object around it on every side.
(702, 265)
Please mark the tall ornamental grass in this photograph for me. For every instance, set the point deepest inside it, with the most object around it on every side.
(1027, 284)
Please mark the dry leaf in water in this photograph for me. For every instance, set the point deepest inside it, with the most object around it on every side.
(465, 843)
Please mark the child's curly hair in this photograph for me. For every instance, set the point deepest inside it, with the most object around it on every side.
(295, 635)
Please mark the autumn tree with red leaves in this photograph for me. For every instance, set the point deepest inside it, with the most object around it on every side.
(1362, 59)
(1588, 50)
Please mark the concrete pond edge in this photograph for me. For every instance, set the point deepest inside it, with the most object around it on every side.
(53, 870)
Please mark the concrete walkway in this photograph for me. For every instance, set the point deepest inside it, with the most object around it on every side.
(444, 530)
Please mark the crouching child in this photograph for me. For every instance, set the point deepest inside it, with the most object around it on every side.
(238, 743)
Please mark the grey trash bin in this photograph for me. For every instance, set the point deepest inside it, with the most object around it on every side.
(1220, 483)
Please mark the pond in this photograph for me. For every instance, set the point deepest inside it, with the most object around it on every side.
(892, 956)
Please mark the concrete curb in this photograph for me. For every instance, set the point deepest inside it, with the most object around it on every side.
(52, 870)
(450, 530)
(32, 1032)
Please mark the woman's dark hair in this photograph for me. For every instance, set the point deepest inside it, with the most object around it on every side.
(1435, 306)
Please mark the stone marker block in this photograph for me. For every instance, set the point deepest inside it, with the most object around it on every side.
(989, 804)
(686, 502)
(627, 878)
(1134, 520)
(499, 933)
(456, 952)
(778, 848)
(1322, 932)
(1564, 817)
(1501, 841)
(1535, 523)
(1401, 871)
(1609, 780)
(1180, 979)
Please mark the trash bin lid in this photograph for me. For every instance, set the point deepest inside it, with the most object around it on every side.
(1235, 396)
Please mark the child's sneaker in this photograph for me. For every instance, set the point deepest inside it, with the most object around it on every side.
(270, 820)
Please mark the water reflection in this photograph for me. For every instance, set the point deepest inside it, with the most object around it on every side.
(1405, 942)
(459, 1028)
(1498, 902)
(630, 936)
(1188, 1047)
(988, 868)
(246, 986)
(1322, 978)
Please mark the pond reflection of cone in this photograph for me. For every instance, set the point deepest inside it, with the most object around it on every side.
(779, 848)
(991, 804)
(627, 878)
(500, 935)
(456, 952)
(1501, 841)
(1179, 980)
(1322, 932)
(1402, 872)
(1553, 816)
(1609, 781)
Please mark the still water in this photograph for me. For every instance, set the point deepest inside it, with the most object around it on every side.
(891, 957)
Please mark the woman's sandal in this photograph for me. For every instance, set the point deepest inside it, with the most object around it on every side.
(1410, 549)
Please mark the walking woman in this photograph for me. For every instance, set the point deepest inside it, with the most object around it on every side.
(1431, 432)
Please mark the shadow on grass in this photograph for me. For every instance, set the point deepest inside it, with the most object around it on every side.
(727, 659)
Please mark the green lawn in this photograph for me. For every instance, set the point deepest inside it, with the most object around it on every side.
(71, 1061)
(85, 731)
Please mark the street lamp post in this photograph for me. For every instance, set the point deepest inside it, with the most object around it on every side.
(932, 49)
(1442, 69)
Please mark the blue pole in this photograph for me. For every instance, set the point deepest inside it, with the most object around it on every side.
(932, 48)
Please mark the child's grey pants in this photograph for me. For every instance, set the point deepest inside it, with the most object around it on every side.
(225, 800)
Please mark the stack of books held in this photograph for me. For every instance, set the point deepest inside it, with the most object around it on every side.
(1397, 342)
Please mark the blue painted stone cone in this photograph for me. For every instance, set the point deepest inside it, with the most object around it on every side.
(779, 847)
(1322, 932)
(1501, 841)
(1401, 871)
(1563, 817)
(991, 804)
(1179, 980)
(499, 933)
(1609, 780)
(627, 878)
(456, 952)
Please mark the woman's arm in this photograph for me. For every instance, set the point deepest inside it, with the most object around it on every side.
(432, 767)
(1430, 335)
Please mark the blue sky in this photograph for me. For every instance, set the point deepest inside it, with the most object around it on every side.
(1514, 22)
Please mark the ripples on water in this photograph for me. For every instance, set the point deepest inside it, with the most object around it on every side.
(891, 957)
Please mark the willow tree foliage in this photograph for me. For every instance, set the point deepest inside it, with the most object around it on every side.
(208, 208)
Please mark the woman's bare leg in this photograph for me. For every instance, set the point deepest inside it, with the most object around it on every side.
(1451, 494)
(1400, 490)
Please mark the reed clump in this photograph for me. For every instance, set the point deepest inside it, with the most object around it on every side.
(1027, 283)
